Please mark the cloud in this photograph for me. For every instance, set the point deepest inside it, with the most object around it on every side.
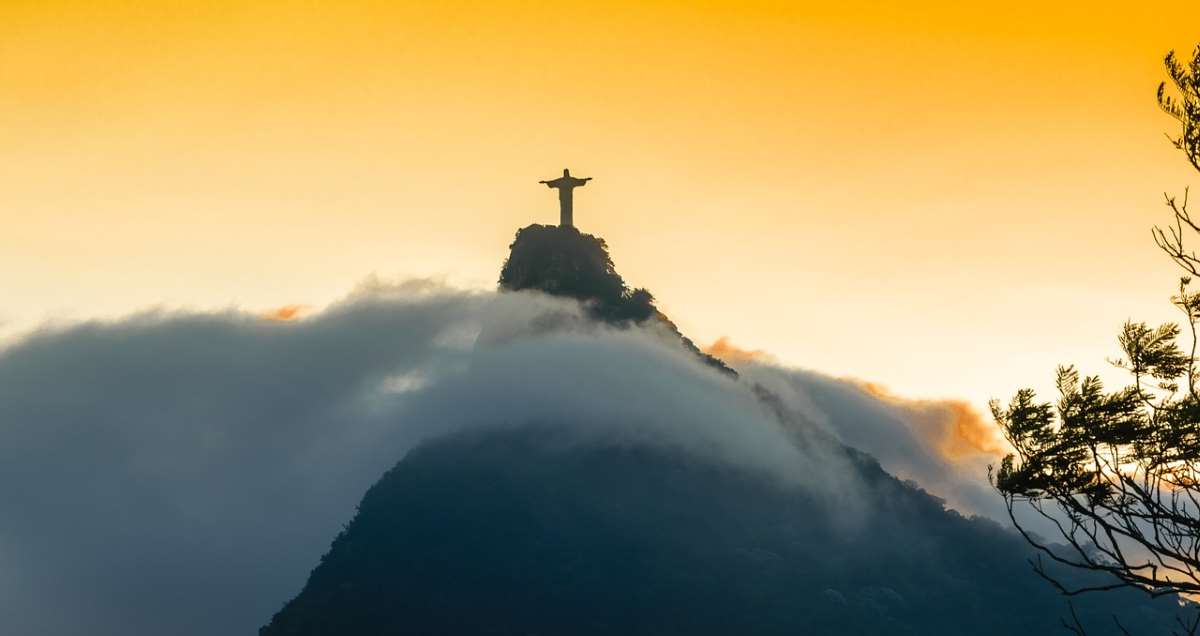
(953, 427)
(942, 445)
(286, 312)
(181, 473)
(170, 473)
(735, 356)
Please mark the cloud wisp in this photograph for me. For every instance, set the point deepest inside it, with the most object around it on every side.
(944, 446)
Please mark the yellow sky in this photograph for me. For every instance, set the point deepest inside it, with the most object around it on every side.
(946, 198)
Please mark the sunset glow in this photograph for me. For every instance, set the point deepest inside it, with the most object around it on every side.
(946, 198)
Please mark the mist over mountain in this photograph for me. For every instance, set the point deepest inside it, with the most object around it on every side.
(182, 473)
(179, 472)
(533, 528)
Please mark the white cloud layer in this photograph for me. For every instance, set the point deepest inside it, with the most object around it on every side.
(182, 473)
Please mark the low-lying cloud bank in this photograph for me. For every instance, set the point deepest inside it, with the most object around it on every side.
(181, 473)
(944, 446)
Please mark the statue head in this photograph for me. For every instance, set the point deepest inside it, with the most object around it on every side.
(566, 173)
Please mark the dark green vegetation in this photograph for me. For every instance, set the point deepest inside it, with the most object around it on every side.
(562, 261)
(522, 533)
(1120, 471)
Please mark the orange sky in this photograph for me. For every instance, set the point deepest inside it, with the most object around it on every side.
(946, 198)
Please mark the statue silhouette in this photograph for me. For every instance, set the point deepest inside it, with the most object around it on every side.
(565, 184)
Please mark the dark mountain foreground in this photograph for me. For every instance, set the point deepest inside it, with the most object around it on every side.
(517, 533)
(525, 530)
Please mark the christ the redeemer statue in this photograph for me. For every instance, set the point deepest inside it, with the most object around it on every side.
(565, 185)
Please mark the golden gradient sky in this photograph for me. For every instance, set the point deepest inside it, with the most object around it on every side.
(946, 198)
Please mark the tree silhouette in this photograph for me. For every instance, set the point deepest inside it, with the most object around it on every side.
(1117, 473)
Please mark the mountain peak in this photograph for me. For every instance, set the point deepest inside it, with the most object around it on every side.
(562, 261)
